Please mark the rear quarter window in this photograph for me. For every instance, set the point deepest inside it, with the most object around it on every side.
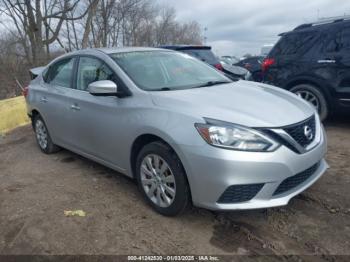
(45, 74)
(339, 42)
(294, 43)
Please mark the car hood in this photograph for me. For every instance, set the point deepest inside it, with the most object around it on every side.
(242, 102)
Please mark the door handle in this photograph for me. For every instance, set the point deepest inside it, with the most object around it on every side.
(75, 107)
(326, 61)
(43, 99)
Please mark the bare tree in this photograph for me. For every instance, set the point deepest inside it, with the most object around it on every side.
(91, 14)
(33, 20)
(38, 30)
(128, 23)
(12, 58)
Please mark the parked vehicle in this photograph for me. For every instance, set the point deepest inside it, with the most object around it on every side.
(183, 130)
(205, 54)
(313, 61)
(231, 60)
(236, 72)
(253, 65)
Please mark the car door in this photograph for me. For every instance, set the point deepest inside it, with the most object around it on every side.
(54, 103)
(336, 61)
(96, 120)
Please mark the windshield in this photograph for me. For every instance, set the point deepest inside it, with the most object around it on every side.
(166, 70)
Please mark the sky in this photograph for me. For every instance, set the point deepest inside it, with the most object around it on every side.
(237, 27)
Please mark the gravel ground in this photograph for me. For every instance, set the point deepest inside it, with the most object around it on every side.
(36, 188)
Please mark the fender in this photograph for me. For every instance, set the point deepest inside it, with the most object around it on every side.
(162, 135)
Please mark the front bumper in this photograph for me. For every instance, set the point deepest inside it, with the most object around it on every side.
(212, 170)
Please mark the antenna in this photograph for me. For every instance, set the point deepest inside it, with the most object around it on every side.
(332, 19)
(205, 38)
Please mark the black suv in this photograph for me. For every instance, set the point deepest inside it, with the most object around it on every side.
(253, 65)
(313, 61)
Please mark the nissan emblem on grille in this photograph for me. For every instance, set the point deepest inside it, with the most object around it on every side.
(308, 133)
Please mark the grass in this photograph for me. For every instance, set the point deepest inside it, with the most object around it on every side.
(13, 113)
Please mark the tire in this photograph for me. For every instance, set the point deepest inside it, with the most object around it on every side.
(315, 96)
(43, 137)
(165, 189)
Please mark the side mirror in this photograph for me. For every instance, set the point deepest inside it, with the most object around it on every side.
(103, 88)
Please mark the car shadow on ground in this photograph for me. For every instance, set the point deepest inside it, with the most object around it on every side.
(342, 121)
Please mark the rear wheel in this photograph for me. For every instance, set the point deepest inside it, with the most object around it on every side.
(162, 179)
(314, 96)
(43, 137)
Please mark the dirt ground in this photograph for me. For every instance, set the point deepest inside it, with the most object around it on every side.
(36, 188)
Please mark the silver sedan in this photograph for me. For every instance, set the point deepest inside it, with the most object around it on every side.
(184, 131)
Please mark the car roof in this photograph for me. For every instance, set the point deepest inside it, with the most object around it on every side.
(127, 49)
(185, 47)
(113, 50)
(317, 25)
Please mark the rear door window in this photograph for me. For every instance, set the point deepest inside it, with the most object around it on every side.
(339, 42)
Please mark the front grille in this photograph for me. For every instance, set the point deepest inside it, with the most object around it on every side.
(239, 193)
(297, 132)
(280, 140)
(296, 180)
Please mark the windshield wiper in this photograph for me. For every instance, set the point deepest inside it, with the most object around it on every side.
(209, 83)
(212, 83)
(162, 89)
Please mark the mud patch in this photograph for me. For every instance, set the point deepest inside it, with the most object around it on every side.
(14, 188)
(331, 209)
(109, 176)
(17, 141)
(14, 228)
(69, 159)
(237, 237)
(5, 145)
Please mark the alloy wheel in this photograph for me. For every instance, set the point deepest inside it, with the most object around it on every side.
(309, 97)
(158, 180)
(41, 133)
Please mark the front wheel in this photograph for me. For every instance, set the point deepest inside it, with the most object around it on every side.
(314, 96)
(162, 179)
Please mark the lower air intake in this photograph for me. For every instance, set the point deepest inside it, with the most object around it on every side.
(294, 181)
(239, 193)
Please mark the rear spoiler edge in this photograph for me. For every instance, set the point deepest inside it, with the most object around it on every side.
(34, 72)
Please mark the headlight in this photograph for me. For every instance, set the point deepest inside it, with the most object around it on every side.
(236, 137)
